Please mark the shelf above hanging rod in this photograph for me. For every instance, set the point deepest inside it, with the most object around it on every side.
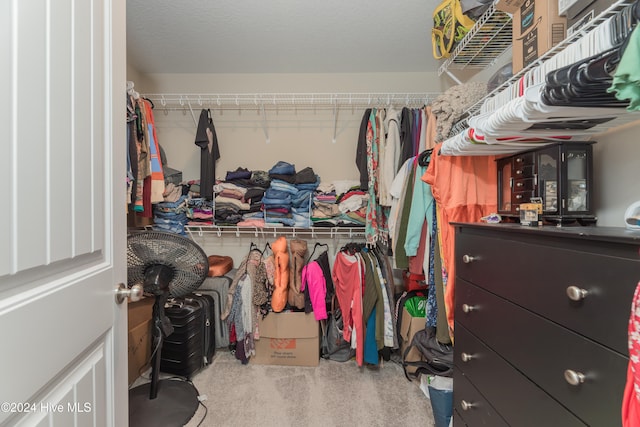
(186, 101)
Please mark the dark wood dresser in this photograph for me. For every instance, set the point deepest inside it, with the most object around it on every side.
(541, 321)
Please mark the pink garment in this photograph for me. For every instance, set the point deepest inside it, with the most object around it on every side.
(251, 223)
(313, 277)
(348, 273)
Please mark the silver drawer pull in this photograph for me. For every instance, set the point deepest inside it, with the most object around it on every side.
(467, 259)
(467, 308)
(466, 357)
(573, 377)
(576, 294)
(466, 405)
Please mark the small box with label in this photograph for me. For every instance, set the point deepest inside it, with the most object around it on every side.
(530, 213)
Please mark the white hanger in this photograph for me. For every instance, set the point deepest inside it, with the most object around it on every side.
(130, 90)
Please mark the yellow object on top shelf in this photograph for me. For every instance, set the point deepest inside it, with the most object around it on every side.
(483, 44)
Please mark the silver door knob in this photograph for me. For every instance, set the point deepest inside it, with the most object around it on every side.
(468, 259)
(134, 293)
(466, 357)
(573, 377)
(466, 405)
(467, 308)
(576, 294)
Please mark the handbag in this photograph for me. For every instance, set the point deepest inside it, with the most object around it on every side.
(437, 358)
(334, 346)
(450, 25)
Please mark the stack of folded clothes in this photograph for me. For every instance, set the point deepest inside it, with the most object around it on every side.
(306, 183)
(239, 196)
(339, 204)
(289, 198)
(276, 203)
(200, 211)
(170, 215)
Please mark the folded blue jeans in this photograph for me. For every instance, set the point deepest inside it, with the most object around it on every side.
(283, 168)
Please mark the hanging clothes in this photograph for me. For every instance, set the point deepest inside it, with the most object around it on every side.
(464, 188)
(390, 154)
(298, 249)
(361, 151)
(348, 276)
(281, 278)
(207, 140)
(406, 140)
(157, 175)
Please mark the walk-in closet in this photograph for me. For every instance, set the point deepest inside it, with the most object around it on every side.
(320, 213)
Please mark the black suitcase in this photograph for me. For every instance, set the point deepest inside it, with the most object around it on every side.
(191, 346)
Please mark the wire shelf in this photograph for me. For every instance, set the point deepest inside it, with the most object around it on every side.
(511, 89)
(185, 101)
(483, 44)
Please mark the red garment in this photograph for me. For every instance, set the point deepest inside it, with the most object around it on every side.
(416, 263)
(348, 273)
(465, 189)
(631, 398)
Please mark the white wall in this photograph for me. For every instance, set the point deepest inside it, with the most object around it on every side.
(303, 137)
(617, 173)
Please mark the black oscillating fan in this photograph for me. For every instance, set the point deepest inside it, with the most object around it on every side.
(166, 265)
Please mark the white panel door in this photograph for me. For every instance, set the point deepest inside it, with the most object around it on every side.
(63, 357)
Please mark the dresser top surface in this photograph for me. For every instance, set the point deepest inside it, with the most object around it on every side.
(598, 233)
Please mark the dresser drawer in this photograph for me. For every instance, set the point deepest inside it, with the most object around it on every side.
(519, 401)
(523, 171)
(471, 406)
(544, 351)
(524, 184)
(458, 421)
(523, 159)
(539, 276)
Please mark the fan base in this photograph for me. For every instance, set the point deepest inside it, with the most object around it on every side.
(175, 405)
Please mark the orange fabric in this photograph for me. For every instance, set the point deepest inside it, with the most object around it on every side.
(281, 276)
(219, 265)
(465, 189)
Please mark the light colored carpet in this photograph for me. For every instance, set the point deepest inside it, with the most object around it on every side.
(332, 394)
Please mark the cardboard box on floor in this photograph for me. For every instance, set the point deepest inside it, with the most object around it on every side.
(288, 338)
(139, 326)
(409, 325)
(537, 27)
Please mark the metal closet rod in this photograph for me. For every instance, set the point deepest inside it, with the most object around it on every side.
(186, 101)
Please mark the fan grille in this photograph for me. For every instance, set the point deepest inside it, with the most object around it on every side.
(186, 259)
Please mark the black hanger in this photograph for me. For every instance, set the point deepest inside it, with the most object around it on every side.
(254, 247)
(267, 246)
(425, 157)
(318, 244)
(150, 102)
(352, 247)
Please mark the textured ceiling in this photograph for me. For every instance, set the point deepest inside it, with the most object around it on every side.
(280, 36)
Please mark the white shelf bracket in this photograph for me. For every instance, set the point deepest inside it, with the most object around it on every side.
(452, 77)
(264, 123)
(335, 121)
